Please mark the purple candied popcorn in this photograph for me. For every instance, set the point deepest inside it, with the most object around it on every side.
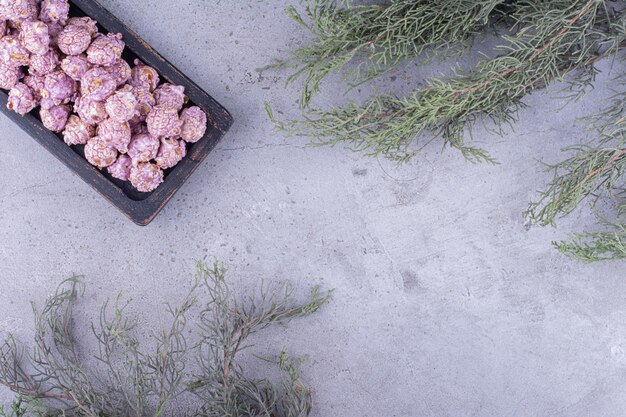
(34, 37)
(16, 9)
(84, 22)
(143, 147)
(164, 122)
(144, 76)
(74, 40)
(21, 99)
(55, 119)
(12, 52)
(120, 71)
(90, 110)
(36, 83)
(100, 153)
(98, 84)
(171, 153)
(171, 95)
(59, 88)
(193, 124)
(75, 66)
(105, 50)
(121, 168)
(122, 105)
(116, 134)
(54, 11)
(9, 76)
(77, 131)
(45, 63)
(3, 26)
(146, 177)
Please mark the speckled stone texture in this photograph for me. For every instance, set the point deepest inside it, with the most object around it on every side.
(446, 304)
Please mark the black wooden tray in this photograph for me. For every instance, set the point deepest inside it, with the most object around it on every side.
(141, 208)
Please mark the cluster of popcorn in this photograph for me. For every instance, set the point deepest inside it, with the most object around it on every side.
(130, 123)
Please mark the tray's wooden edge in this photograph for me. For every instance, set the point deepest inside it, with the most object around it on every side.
(140, 212)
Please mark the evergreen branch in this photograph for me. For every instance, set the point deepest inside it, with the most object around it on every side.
(589, 172)
(379, 37)
(564, 37)
(596, 247)
(130, 382)
(223, 386)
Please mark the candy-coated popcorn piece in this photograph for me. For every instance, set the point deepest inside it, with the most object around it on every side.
(74, 40)
(85, 22)
(90, 110)
(121, 72)
(146, 177)
(34, 37)
(77, 131)
(12, 52)
(59, 88)
(54, 11)
(163, 121)
(55, 119)
(121, 168)
(9, 76)
(171, 153)
(21, 99)
(16, 10)
(144, 76)
(76, 66)
(143, 147)
(3, 27)
(44, 64)
(122, 105)
(105, 50)
(193, 124)
(100, 153)
(116, 134)
(36, 84)
(98, 84)
(171, 95)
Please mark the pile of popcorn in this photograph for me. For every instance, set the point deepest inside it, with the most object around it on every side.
(130, 124)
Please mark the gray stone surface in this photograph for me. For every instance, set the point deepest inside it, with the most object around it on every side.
(445, 304)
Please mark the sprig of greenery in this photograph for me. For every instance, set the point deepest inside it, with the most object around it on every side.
(595, 172)
(226, 325)
(379, 37)
(22, 407)
(591, 171)
(596, 247)
(558, 37)
(132, 381)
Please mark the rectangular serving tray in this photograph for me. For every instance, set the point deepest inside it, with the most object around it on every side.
(141, 208)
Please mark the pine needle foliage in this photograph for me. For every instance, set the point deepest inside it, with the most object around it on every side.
(380, 37)
(130, 379)
(542, 42)
(594, 172)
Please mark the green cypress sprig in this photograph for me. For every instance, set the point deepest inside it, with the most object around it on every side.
(595, 172)
(379, 37)
(132, 380)
(596, 247)
(562, 37)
